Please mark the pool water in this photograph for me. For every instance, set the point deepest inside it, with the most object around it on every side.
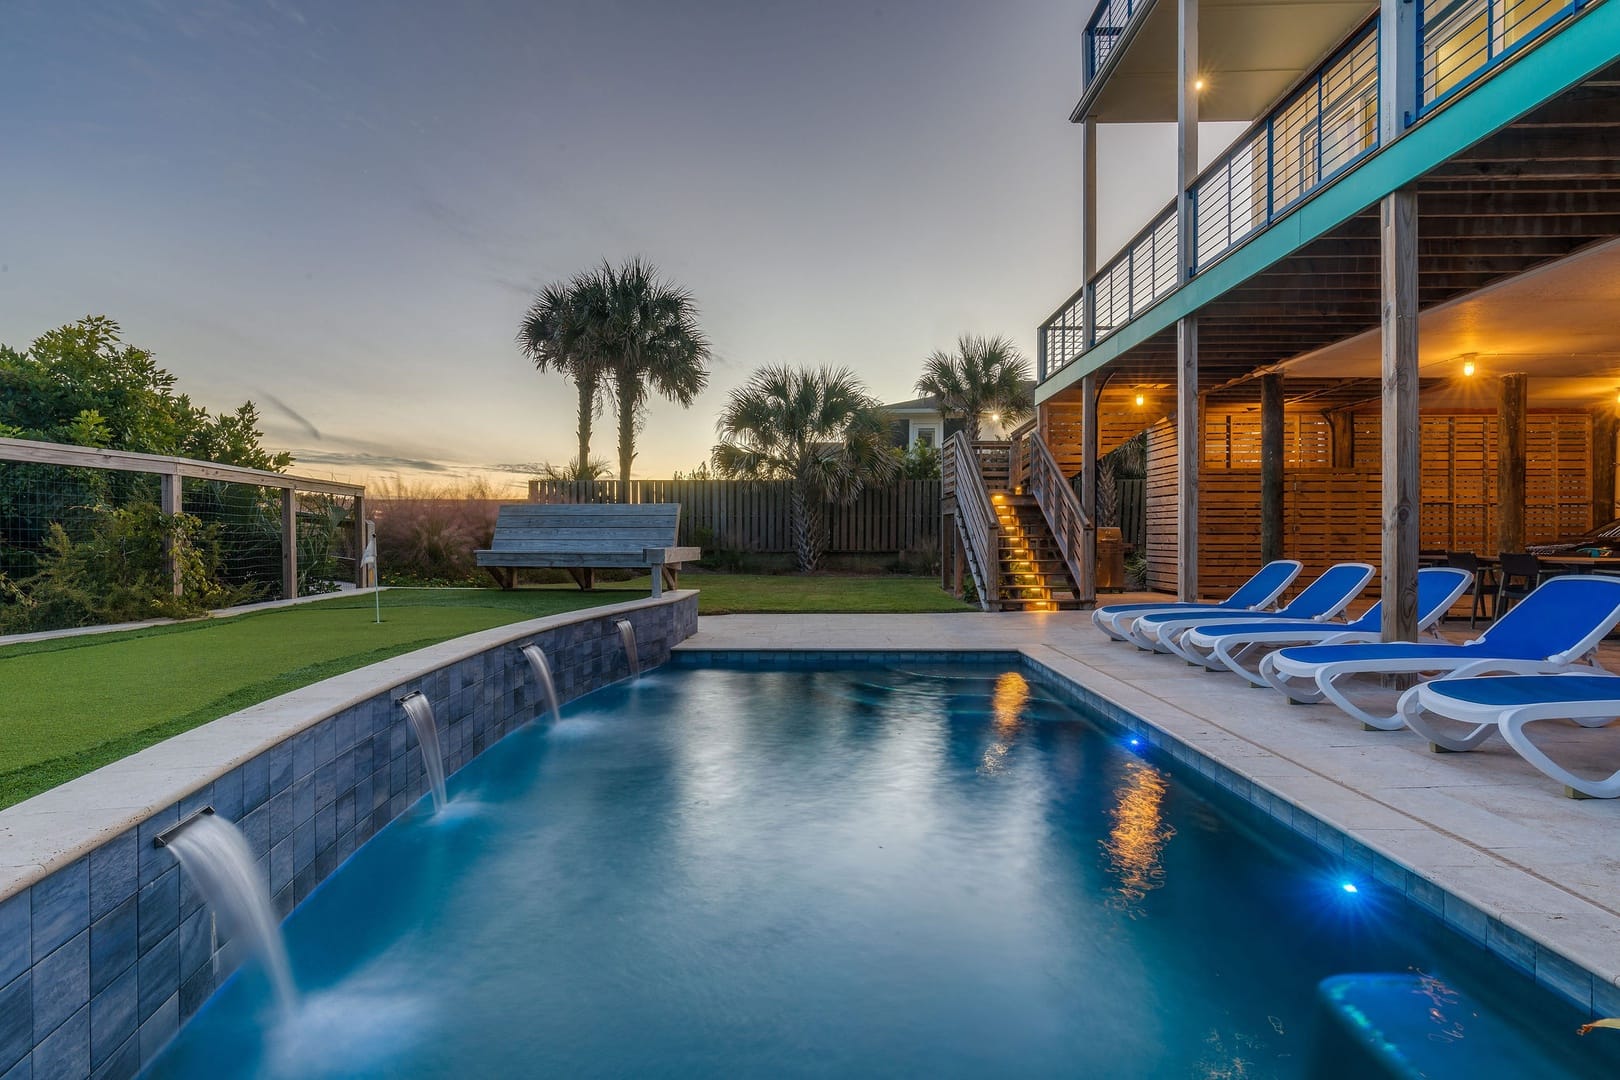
(864, 872)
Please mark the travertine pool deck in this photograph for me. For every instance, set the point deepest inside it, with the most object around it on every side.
(1485, 827)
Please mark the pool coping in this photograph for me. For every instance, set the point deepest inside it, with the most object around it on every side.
(51, 830)
(1338, 821)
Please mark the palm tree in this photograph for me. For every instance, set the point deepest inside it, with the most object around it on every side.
(817, 429)
(983, 375)
(646, 330)
(555, 336)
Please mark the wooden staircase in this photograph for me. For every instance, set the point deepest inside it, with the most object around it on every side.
(1033, 574)
(1012, 521)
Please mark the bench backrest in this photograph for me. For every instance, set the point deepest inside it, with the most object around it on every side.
(582, 526)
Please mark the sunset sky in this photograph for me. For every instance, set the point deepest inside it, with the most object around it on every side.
(341, 210)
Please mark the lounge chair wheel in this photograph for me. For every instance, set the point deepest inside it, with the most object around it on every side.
(1571, 793)
(1436, 748)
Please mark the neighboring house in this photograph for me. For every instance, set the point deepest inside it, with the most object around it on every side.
(920, 421)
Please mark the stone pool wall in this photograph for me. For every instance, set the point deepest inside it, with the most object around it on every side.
(105, 948)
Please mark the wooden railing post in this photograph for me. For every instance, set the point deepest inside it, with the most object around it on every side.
(171, 506)
(289, 543)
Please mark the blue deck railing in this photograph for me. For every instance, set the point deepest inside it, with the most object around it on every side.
(1104, 30)
(1327, 124)
(1318, 131)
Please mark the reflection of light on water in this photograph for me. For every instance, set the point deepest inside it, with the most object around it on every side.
(1136, 842)
(357, 1025)
(1007, 704)
(1441, 997)
(1223, 1062)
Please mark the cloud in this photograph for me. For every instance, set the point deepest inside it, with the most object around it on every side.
(365, 460)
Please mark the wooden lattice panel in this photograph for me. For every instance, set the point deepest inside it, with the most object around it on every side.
(1333, 515)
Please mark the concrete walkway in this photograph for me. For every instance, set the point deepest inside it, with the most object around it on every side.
(1484, 826)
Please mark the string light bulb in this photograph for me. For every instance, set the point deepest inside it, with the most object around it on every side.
(1198, 84)
(1468, 367)
(1141, 399)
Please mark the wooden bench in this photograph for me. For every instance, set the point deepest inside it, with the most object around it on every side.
(584, 538)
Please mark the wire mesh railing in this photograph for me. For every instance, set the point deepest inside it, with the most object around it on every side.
(86, 531)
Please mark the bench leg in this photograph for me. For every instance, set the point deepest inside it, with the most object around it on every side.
(584, 577)
(657, 580)
(504, 576)
(672, 576)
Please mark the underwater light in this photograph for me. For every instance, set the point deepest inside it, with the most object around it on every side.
(1135, 741)
(1349, 887)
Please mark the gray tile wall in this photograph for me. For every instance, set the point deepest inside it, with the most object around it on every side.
(103, 960)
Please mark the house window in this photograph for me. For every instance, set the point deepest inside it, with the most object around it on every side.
(924, 436)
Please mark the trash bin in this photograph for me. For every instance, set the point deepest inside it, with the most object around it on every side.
(1110, 560)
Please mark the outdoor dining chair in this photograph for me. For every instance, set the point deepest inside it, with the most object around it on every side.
(1467, 560)
(1519, 575)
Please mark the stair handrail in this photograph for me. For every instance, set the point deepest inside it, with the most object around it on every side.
(1070, 526)
(1018, 455)
(975, 514)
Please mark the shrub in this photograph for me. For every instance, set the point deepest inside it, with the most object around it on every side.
(427, 534)
(118, 573)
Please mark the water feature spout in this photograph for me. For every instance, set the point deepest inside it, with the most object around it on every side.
(627, 634)
(542, 674)
(215, 855)
(420, 713)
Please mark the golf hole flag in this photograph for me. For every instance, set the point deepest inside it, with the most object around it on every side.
(368, 562)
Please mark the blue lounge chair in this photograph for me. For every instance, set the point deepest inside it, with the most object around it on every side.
(1322, 599)
(1553, 629)
(1220, 645)
(1256, 594)
(1510, 703)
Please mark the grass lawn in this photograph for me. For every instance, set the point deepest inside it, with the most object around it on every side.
(75, 704)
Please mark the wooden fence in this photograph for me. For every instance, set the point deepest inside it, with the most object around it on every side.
(1332, 512)
(1132, 511)
(753, 515)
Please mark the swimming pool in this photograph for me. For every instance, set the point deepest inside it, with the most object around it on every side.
(934, 871)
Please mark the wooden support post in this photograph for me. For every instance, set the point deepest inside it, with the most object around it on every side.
(1342, 431)
(1088, 486)
(1271, 467)
(1512, 407)
(1186, 136)
(1088, 228)
(289, 543)
(1187, 447)
(171, 505)
(1397, 214)
(1604, 427)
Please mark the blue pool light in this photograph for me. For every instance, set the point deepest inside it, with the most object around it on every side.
(1135, 741)
(1349, 887)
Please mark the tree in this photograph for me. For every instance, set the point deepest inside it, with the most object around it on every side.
(817, 429)
(81, 384)
(555, 336)
(646, 331)
(983, 375)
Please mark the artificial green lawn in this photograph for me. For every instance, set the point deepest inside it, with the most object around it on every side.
(74, 704)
